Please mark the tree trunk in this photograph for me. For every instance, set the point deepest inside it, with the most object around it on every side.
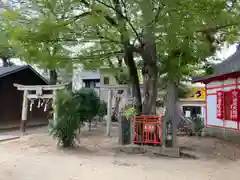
(119, 80)
(136, 92)
(5, 62)
(149, 56)
(128, 56)
(149, 72)
(116, 108)
(172, 110)
(70, 86)
(89, 124)
(53, 76)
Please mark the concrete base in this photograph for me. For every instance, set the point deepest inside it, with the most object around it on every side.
(222, 133)
(171, 152)
(7, 137)
(150, 150)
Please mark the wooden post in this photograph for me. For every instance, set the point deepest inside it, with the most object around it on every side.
(24, 112)
(163, 132)
(132, 129)
(54, 106)
(109, 113)
(120, 128)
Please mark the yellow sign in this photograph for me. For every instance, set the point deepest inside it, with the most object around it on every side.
(198, 93)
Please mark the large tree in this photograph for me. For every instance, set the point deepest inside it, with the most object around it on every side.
(176, 35)
(30, 28)
(6, 51)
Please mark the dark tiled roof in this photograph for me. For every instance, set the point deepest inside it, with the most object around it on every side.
(89, 75)
(5, 71)
(196, 78)
(229, 66)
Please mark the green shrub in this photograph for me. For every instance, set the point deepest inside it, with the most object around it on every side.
(89, 102)
(130, 113)
(72, 110)
(198, 124)
(64, 128)
(102, 110)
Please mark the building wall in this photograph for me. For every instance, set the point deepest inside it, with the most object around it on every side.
(112, 81)
(211, 119)
(11, 100)
(223, 133)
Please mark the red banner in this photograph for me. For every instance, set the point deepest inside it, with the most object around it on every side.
(220, 104)
(234, 105)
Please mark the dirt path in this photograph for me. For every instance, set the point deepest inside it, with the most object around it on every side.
(35, 157)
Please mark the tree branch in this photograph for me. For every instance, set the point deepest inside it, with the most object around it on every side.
(126, 18)
(75, 18)
(107, 17)
(97, 56)
(157, 13)
(105, 4)
(107, 38)
(214, 29)
(134, 30)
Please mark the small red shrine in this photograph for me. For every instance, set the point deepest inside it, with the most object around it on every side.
(223, 94)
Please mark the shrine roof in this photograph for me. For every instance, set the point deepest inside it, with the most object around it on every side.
(5, 71)
(228, 68)
(89, 75)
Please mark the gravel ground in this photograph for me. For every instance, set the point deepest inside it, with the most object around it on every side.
(36, 157)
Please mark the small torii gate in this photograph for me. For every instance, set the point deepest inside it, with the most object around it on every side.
(39, 94)
(110, 89)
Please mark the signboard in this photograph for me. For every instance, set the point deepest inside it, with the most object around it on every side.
(234, 105)
(220, 104)
(198, 93)
(188, 114)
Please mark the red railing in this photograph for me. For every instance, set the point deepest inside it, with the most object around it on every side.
(147, 130)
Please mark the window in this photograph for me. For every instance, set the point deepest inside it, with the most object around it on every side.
(105, 80)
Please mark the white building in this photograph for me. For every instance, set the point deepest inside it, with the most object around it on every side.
(223, 95)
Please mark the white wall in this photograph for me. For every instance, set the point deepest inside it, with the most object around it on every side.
(76, 79)
(212, 104)
(104, 92)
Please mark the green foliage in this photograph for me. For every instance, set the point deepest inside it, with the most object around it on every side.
(69, 119)
(72, 110)
(129, 113)
(183, 91)
(176, 26)
(88, 102)
(182, 34)
(102, 110)
(6, 50)
(198, 123)
(34, 35)
(209, 70)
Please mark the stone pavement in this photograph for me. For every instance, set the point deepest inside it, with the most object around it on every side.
(8, 137)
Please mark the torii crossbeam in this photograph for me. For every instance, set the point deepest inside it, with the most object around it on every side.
(39, 93)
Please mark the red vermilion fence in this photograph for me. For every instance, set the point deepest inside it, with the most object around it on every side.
(147, 130)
